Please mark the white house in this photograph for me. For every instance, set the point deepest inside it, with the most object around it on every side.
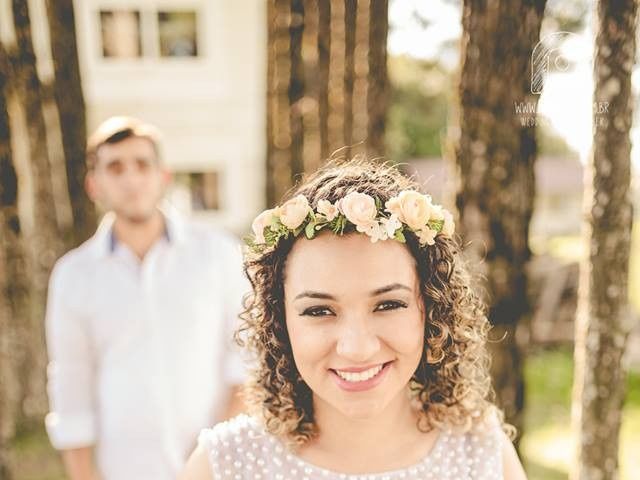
(197, 70)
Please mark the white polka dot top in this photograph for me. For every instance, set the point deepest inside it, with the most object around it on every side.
(240, 448)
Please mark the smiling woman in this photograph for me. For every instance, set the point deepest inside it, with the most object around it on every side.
(369, 339)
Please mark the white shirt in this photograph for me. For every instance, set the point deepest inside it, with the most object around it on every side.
(140, 352)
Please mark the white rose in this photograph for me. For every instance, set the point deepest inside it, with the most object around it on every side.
(411, 207)
(449, 225)
(359, 208)
(293, 212)
(440, 213)
(437, 212)
(327, 209)
(261, 222)
(374, 230)
(390, 224)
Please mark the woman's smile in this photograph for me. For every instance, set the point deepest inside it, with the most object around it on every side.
(360, 381)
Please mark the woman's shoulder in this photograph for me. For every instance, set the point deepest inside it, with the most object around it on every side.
(235, 445)
(238, 429)
(479, 448)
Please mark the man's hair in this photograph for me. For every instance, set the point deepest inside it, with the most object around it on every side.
(117, 129)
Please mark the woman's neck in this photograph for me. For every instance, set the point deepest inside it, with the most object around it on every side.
(389, 436)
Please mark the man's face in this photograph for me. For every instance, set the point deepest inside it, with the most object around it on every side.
(128, 178)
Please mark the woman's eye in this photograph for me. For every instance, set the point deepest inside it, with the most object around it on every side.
(390, 305)
(317, 312)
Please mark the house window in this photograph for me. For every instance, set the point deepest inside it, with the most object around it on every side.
(178, 33)
(203, 187)
(120, 33)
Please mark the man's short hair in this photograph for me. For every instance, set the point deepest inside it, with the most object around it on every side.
(117, 129)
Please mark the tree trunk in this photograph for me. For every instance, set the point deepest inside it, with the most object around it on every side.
(350, 12)
(604, 317)
(296, 88)
(324, 48)
(44, 239)
(279, 172)
(71, 111)
(10, 249)
(326, 85)
(495, 156)
(378, 95)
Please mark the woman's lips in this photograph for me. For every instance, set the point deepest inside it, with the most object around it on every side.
(361, 385)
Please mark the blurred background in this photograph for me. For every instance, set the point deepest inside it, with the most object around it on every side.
(250, 94)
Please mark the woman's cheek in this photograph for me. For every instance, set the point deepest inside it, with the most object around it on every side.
(405, 335)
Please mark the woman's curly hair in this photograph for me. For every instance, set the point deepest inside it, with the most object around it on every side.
(451, 385)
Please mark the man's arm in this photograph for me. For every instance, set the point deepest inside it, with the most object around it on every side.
(236, 362)
(70, 422)
(79, 464)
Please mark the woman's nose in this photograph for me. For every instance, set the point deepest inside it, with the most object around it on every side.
(357, 343)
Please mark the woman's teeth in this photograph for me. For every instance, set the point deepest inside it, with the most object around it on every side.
(359, 376)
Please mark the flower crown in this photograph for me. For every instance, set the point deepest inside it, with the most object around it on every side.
(407, 210)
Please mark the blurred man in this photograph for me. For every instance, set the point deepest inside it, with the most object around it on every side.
(139, 322)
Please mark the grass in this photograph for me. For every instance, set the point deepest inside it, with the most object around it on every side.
(547, 444)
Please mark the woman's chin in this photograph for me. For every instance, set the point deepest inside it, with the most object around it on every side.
(362, 410)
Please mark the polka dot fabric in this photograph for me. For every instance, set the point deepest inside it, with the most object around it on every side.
(240, 449)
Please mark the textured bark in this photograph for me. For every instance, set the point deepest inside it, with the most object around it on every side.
(71, 110)
(350, 12)
(296, 87)
(495, 156)
(44, 240)
(326, 85)
(9, 257)
(324, 47)
(279, 172)
(378, 96)
(604, 318)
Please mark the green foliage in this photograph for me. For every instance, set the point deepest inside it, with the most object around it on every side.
(417, 115)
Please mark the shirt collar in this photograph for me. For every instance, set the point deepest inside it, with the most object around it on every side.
(105, 241)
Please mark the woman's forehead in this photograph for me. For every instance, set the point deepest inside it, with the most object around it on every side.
(332, 261)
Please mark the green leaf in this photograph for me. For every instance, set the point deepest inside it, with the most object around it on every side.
(436, 225)
(343, 223)
(249, 240)
(309, 230)
(399, 235)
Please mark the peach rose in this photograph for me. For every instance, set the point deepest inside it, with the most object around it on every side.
(427, 236)
(411, 207)
(261, 222)
(293, 212)
(359, 208)
(327, 209)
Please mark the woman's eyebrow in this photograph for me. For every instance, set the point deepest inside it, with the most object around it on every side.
(378, 291)
(389, 288)
(308, 294)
